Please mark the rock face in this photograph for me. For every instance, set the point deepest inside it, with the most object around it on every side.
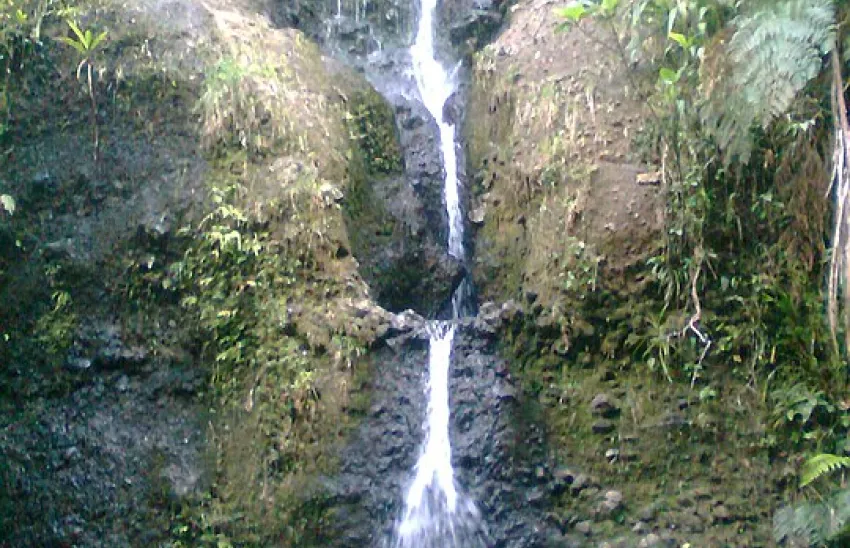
(91, 462)
(403, 258)
(555, 181)
(499, 461)
(472, 23)
(102, 419)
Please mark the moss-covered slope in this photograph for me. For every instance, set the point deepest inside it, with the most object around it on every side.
(209, 230)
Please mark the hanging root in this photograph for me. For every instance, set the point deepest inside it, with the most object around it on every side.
(838, 271)
(693, 322)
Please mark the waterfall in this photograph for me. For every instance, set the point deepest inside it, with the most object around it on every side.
(437, 514)
(436, 85)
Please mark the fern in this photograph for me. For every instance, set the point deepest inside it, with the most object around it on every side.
(814, 523)
(775, 49)
(820, 465)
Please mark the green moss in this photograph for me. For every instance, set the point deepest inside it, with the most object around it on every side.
(371, 125)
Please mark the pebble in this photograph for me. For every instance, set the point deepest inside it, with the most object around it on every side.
(584, 527)
(721, 513)
(649, 540)
(602, 426)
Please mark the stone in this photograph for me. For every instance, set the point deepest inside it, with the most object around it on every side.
(603, 405)
(123, 384)
(330, 193)
(584, 527)
(603, 426)
(649, 540)
(71, 454)
(476, 215)
(610, 505)
(579, 484)
(722, 514)
(535, 497)
(78, 363)
(648, 512)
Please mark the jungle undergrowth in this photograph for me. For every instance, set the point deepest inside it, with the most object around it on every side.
(738, 282)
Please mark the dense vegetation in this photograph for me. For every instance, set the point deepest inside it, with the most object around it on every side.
(749, 129)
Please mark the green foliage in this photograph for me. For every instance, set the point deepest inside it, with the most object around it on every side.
(776, 48)
(371, 125)
(86, 43)
(577, 10)
(806, 415)
(247, 104)
(744, 224)
(820, 465)
(55, 328)
(816, 523)
(821, 522)
(247, 271)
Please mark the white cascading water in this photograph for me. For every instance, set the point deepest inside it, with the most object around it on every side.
(436, 85)
(436, 514)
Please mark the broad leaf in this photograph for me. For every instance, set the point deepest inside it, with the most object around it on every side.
(98, 39)
(80, 36)
(668, 76)
(680, 39)
(609, 6)
(573, 12)
(8, 203)
(74, 44)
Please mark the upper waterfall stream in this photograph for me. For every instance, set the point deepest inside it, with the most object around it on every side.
(436, 513)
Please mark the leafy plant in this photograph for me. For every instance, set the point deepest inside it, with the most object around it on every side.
(7, 204)
(820, 465)
(246, 104)
(775, 49)
(824, 521)
(85, 43)
(815, 523)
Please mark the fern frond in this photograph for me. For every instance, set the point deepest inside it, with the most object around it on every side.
(776, 48)
(820, 465)
(814, 523)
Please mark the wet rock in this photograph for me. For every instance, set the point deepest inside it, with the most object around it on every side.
(603, 426)
(722, 514)
(604, 406)
(648, 512)
(472, 21)
(584, 527)
(65, 249)
(476, 215)
(649, 541)
(379, 460)
(452, 109)
(614, 499)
